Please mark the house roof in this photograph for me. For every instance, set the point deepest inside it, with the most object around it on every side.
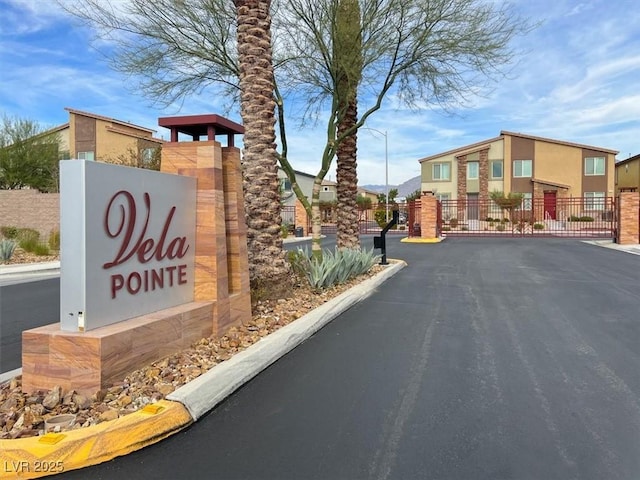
(130, 134)
(470, 148)
(560, 142)
(108, 119)
(628, 160)
(479, 145)
(56, 129)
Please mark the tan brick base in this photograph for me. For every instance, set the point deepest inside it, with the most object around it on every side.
(629, 225)
(428, 216)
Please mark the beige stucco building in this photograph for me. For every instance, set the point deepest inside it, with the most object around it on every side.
(628, 175)
(514, 162)
(95, 137)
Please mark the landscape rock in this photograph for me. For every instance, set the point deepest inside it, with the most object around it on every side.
(23, 415)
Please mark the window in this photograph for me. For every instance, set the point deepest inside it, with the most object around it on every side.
(594, 200)
(441, 171)
(594, 166)
(472, 170)
(148, 155)
(522, 168)
(285, 185)
(443, 197)
(496, 169)
(85, 156)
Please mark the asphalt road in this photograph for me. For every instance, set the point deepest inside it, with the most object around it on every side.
(25, 305)
(483, 359)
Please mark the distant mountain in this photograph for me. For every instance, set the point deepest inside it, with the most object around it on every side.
(404, 189)
(410, 186)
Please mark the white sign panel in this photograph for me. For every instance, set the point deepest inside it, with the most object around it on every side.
(127, 242)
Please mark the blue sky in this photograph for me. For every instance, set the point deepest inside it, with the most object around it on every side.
(577, 80)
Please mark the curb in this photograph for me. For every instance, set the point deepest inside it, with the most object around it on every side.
(53, 453)
(37, 457)
(29, 268)
(422, 240)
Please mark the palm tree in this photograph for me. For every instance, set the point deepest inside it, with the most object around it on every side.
(347, 52)
(268, 268)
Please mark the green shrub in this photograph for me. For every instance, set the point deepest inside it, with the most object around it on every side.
(334, 267)
(464, 229)
(505, 220)
(41, 249)
(488, 219)
(453, 222)
(446, 229)
(7, 247)
(9, 232)
(380, 216)
(54, 240)
(500, 227)
(586, 218)
(28, 239)
(28, 234)
(538, 226)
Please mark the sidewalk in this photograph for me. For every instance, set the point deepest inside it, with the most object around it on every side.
(632, 248)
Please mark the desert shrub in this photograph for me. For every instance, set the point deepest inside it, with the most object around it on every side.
(7, 247)
(464, 229)
(28, 239)
(500, 227)
(453, 222)
(41, 249)
(488, 219)
(586, 218)
(380, 216)
(538, 226)
(446, 229)
(54, 240)
(334, 267)
(9, 232)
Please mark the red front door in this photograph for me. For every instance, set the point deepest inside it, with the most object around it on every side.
(550, 205)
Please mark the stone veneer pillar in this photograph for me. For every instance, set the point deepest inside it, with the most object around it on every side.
(428, 216)
(221, 264)
(462, 188)
(483, 174)
(629, 224)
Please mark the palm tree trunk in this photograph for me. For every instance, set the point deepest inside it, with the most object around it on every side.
(348, 229)
(267, 265)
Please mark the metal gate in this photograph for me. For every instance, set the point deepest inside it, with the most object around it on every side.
(583, 217)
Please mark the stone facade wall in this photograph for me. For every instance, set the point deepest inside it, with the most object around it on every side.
(30, 209)
(629, 226)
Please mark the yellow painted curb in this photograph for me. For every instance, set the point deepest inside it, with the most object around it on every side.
(421, 240)
(37, 457)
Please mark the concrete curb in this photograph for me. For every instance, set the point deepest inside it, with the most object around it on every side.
(422, 240)
(37, 457)
(205, 392)
(29, 268)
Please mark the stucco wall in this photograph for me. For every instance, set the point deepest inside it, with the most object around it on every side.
(30, 209)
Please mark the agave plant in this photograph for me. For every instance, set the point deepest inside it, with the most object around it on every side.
(335, 267)
(7, 247)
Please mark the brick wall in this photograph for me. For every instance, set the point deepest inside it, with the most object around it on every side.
(30, 209)
(629, 226)
(428, 216)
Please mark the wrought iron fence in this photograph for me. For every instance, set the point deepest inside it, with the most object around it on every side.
(584, 217)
